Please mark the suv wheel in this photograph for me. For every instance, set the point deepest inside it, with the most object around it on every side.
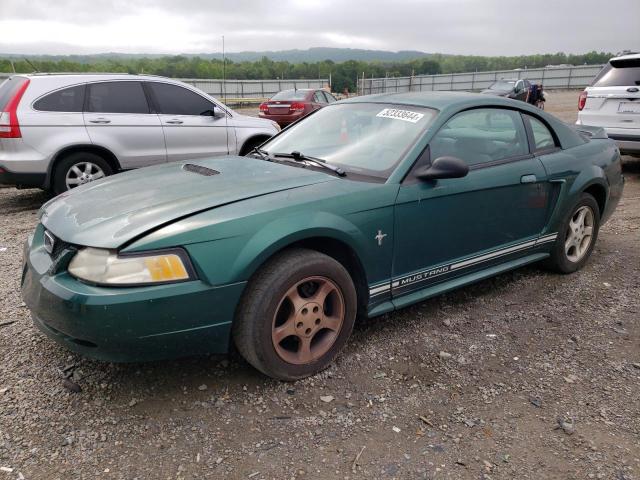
(77, 169)
(296, 314)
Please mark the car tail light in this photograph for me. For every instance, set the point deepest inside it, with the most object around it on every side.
(582, 100)
(264, 107)
(9, 126)
(295, 106)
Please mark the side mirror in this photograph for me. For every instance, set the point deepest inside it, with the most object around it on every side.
(444, 167)
(213, 112)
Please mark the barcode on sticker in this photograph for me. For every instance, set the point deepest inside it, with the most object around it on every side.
(406, 115)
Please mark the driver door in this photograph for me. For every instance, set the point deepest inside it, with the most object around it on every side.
(452, 227)
(190, 128)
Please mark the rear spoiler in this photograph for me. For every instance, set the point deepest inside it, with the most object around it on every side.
(590, 132)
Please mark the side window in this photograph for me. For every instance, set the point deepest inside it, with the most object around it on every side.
(330, 98)
(66, 100)
(176, 100)
(117, 97)
(481, 136)
(318, 97)
(542, 137)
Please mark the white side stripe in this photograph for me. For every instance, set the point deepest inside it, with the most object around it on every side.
(489, 256)
(427, 274)
(381, 288)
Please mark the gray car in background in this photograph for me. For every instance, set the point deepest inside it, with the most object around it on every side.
(58, 131)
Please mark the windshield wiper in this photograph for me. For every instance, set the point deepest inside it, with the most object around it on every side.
(261, 153)
(300, 157)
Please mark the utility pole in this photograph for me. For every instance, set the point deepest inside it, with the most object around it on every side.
(224, 73)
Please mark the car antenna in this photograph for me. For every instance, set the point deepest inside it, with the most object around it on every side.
(35, 70)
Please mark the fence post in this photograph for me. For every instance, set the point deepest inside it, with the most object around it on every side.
(569, 78)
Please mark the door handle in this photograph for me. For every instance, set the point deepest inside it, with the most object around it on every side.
(175, 122)
(100, 120)
(528, 179)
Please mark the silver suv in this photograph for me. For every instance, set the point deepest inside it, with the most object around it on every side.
(613, 102)
(58, 131)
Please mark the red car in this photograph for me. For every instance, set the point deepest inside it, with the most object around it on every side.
(290, 105)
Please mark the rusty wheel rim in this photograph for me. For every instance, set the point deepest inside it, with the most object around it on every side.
(308, 320)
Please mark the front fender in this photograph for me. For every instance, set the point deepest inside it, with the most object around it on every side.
(280, 233)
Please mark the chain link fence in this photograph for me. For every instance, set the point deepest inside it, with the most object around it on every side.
(551, 78)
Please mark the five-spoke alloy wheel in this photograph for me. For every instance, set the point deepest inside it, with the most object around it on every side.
(308, 320)
(576, 236)
(579, 234)
(296, 314)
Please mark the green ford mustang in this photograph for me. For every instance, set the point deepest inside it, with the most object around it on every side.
(363, 207)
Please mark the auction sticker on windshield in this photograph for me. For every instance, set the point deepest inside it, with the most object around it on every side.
(396, 114)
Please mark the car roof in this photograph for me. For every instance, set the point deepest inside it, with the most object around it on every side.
(631, 56)
(439, 100)
(129, 76)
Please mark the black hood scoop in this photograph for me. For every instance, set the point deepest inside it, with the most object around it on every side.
(200, 170)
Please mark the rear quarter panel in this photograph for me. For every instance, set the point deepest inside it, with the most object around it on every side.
(573, 170)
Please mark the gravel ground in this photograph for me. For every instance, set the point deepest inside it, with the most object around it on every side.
(528, 375)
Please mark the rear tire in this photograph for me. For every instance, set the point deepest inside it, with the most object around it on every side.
(577, 236)
(296, 314)
(77, 169)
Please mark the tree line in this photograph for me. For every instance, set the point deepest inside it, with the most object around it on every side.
(343, 74)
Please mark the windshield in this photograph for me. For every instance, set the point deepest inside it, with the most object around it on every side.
(290, 95)
(503, 85)
(364, 138)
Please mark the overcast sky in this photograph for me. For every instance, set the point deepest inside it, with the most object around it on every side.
(480, 27)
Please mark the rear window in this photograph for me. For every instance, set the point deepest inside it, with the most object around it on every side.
(117, 97)
(8, 88)
(620, 73)
(66, 100)
(290, 95)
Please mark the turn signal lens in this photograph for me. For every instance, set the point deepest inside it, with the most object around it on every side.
(108, 268)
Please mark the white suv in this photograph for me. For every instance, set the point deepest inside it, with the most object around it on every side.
(613, 102)
(58, 131)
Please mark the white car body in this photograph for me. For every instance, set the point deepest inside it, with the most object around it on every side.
(613, 102)
(41, 126)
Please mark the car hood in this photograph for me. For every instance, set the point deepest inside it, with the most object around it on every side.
(497, 93)
(114, 211)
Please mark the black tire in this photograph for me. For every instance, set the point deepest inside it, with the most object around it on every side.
(250, 145)
(265, 295)
(559, 260)
(58, 183)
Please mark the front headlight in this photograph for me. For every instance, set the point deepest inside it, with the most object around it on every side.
(106, 267)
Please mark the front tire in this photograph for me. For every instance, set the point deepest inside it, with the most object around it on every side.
(77, 169)
(296, 314)
(577, 236)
